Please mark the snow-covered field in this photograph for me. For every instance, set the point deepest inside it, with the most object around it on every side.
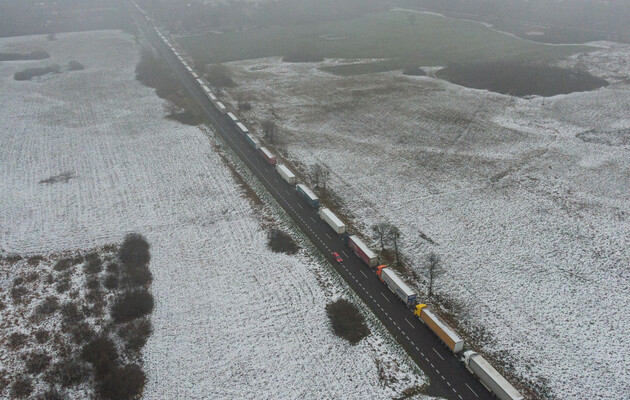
(527, 200)
(87, 156)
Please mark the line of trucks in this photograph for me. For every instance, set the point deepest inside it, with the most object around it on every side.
(473, 361)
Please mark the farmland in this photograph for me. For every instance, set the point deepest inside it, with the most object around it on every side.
(426, 41)
(525, 199)
(89, 156)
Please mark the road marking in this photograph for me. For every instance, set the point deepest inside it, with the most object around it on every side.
(384, 297)
(443, 378)
(469, 388)
(313, 219)
(344, 253)
(363, 273)
(438, 354)
(410, 323)
(460, 396)
(449, 383)
(299, 205)
(327, 235)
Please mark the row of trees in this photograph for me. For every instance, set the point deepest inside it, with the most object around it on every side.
(389, 238)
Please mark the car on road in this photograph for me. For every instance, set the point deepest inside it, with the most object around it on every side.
(337, 257)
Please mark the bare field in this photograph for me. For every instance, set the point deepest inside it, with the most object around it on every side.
(87, 157)
(526, 200)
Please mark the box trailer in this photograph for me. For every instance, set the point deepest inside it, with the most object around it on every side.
(222, 109)
(396, 285)
(253, 141)
(232, 117)
(305, 192)
(194, 74)
(446, 334)
(490, 377)
(268, 156)
(286, 174)
(361, 250)
(242, 128)
(332, 220)
(200, 82)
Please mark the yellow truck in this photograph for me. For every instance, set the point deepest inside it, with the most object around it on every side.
(439, 327)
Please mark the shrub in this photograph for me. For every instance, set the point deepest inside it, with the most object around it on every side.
(31, 277)
(135, 334)
(37, 362)
(123, 383)
(134, 251)
(34, 260)
(102, 354)
(112, 268)
(52, 394)
(47, 307)
(18, 293)
(63, 285)
(42, 336)
(244, 106)
(17, 340)
(110, 282)
(18, 281)
(82, 332)
(347, 321)
(132, 305)
(280, 242)
(62, 264)
(30, 73)
(93, 283)
(71, 313)
(93, 266)
(68, 372)
(140, 276)
(220, 76)
(75, 66)
(21, 387)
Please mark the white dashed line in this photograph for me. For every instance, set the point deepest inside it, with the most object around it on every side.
(327, 235)
(410, 323)
(363, 273)
(384, 297)
(438, 354)
(469, 388)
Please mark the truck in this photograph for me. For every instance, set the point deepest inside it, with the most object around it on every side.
(305, 192)
(332, 220)
(221, 107)
(268, 156)
(232, 117)
(361, 250)
(200, 82)
(396, 285)
(490, 377)
(253, 141)
(242, 128)
(441, 329)
(286, 174)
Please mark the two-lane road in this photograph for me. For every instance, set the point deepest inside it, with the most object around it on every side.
(448, 376)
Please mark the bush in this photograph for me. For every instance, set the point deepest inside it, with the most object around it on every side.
(30, 73)
(63, 285)
(31, 277)
(82, 332)
(17, 340)
(123, 383)
(280, 242)
(93, 283)
(347, 321)
(42, 335)
(102, 354)
(220, 76)
(37, 362)
(62, 264)
(112, 268)
(34, 260)
(140, 276)
(67, 372)
(135, 334)
(110, 282)
(47, 307)
(18, 293)
(52, 394)
(93, 266)
(75, 66)
(71, 313)
(134, 251)
(132, 305)
(21, 387)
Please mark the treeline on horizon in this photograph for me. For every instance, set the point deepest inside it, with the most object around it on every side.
(575, 21)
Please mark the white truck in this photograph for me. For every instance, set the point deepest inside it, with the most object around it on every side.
(396, 285)
(242, 128)
(490, 377)
(232, 117)
(221, 107)
(332, 220)
(286, 174)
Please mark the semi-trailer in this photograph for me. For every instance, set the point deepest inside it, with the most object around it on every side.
(200, 82)
(253, 141)
(332, 220)
(490, 377)
(442, 330)
(194, 74)
(268, 156)
(361, 250)
(286, 174)
(396, 285)
(232, 117)
(221, 107)
(305, 192)
(242, 128)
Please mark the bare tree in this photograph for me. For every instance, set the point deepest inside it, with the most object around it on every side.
(433, 269)
(269, 129)
(380, 231)
(323, 179)
(393, 237)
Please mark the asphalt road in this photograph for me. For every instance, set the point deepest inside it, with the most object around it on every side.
(448, 376)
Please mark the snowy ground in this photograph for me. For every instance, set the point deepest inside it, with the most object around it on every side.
(527, 200)
(232, 319)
